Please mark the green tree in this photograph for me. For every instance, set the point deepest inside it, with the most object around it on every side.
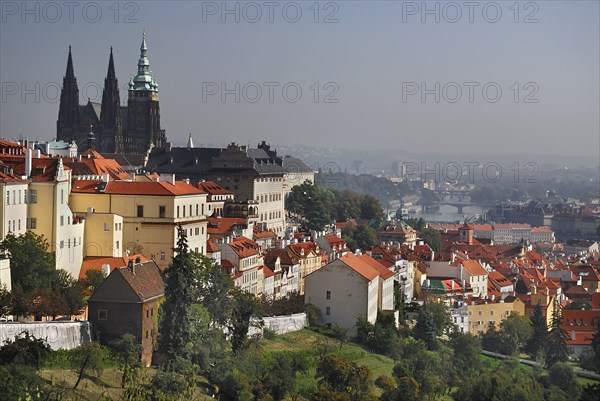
(466, 352)
(70, 290)
(87, 358)
(343, 376)
(31, 265)
(21, 302)
(25, 351)
(441, 317)
(515, 333)
(245, 306)
(370, 208)
(563, 376)
(180, 294)
(596, 346)
(557, 338)
(213, 289)
(128, 351)
(340, 334)
(93, 279)
(539, 338)
(425, 329)
(6, 301)
(432, 238)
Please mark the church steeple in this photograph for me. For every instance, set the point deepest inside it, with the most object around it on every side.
(70, 72)
(111, 138)
(111, 66)
(68, 111)
(143, 81)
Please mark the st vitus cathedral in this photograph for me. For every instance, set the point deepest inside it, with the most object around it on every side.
(116, 129)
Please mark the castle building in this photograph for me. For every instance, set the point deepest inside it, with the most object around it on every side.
(134, 128)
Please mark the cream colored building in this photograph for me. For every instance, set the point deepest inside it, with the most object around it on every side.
(103, 234)
(482, 312)
(245, 263)
(309, 259)
(151, 213)
(348, 288)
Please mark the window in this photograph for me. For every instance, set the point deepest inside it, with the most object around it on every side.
(196, 209)
(151, 311)
(106, 227)
(140, 211)
(177, 211)
(62, 220)
(163, 256)
(161, 212)
(328, 310)
(62, 244)
(479, 313)
(102, 314)
(19, 196)
(117, 245)
(33, 223)
(328, 295)
(197, 230)
(33, 196)
(24, 196)
(19, 224)
(8, 197)
(491, 313)
(62, 196)
(147, 313)
(190, 210)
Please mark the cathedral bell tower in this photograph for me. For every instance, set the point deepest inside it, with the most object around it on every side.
(143, 112)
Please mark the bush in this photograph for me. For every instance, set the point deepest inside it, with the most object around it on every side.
(313, 314)
(269, 334)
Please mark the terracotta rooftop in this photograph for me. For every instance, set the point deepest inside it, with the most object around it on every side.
(135, 188)
(244, 247)
(360, 266)
(96, 262)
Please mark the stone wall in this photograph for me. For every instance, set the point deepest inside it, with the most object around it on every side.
(59, 335)
(282, 324)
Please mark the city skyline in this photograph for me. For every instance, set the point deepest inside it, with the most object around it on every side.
(372, 84)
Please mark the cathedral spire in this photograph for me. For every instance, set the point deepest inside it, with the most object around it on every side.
(70, 72)
(144, 81)
(111, 66)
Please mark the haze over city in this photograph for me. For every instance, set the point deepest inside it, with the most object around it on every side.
(363, 69)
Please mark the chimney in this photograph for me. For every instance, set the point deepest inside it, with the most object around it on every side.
(28, 162)
(170, 178)
(131, 267)
(106, 269)
(573, 335)
(533, 290)
(37, 154)
(357, 252)
(138, 260)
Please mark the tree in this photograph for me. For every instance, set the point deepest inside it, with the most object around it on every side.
(31, 265)
(557, 338)
(340, 333)
(515, 333)
(425, 328)
(21, 302)
(48, 302)
(70, 290)
(25, 351)
(596, 346)
(432, 238)
(88, 357)
(562, 375)
(342, 376)
(441, 317)
(244, 307)
(93, 279)
(539, 338)
(6, 301)
(370, 208)
(361, 237)
(180, 294)
(466, 352)
(213, 289)
(128, 351)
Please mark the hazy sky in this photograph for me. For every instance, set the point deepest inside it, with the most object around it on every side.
(369, 71)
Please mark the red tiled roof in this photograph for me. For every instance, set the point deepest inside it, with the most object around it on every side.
(96, 262)
(384, 272)
(244, 247)
(135, 188)
(211, 246)
(212, 188)
(223, 225)
(473, 267)
(360, 266)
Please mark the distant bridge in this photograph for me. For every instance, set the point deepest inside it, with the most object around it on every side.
(457, 205)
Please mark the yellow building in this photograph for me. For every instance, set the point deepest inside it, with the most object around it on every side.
(150, 211)
(310, 258)
(483, 311)
(103, 234)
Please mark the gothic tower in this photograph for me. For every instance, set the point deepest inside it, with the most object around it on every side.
(68, 113)
(143, 113)
(111, 139)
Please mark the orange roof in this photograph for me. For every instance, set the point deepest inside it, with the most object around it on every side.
(211, 246)
(360, 266)
(223, 225)
(212, 188)
(10, 178)
(499, 278)
(93, 162)
(258, 233)
(473, 267)
(266, 271)
(135, 188)
(384, 272)
(96, 262)
(244, 247)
